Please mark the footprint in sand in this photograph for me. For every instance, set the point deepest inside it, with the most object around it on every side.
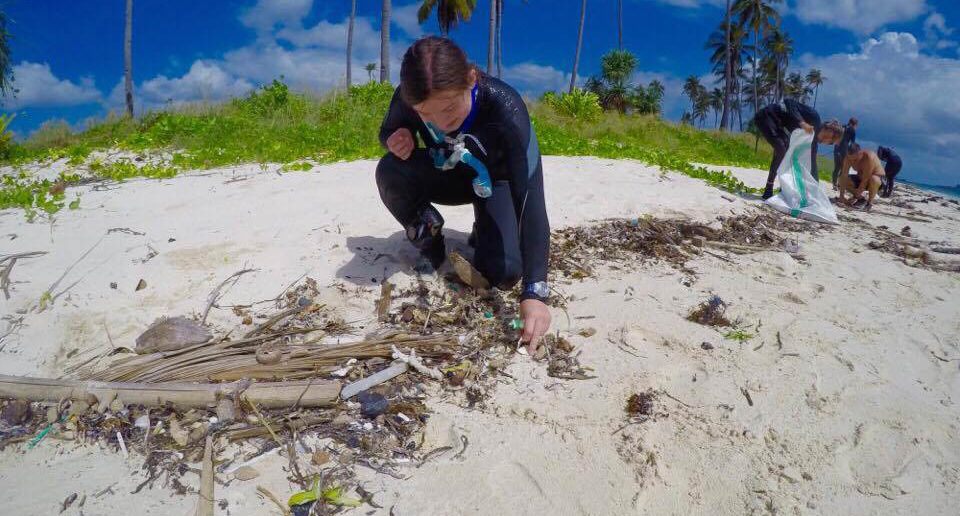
(876, 463)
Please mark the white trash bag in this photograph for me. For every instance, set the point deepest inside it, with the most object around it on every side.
(800, 193)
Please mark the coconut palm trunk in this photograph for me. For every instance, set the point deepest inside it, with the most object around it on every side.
(353, 14)
(385, 42)
(492, 37)
(128, 58)
(620, 24)
(576, 58)
(499, 38)
(725, 118)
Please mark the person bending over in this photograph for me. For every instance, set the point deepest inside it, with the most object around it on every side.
(775, 123)
(869, 171)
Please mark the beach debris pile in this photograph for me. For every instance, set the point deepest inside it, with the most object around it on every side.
(575, 251)
(299, 383)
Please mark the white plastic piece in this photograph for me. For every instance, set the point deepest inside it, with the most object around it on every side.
(800, 193)
(123, 446)
(142, 422)
(351, 390)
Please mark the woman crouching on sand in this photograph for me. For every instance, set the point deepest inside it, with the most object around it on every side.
(775, 123)
(480, 149)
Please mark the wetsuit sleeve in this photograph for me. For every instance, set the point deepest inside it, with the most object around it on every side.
(525, 169)
(399, 115)
(797, 112)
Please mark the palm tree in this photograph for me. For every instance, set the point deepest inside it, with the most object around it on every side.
(576, 58)
(128, 58)
(717, 97)
(449, 12)
(815, 79)
(614, 90)
(757, 16)
(692, 89)
(655, 95)
(6, 68)
(727, 70)
(780, 47)
(492, 37)
(796, 87)
(370, 68)
(353, 14)
(385, 42)
(702, 106)
(721, 56)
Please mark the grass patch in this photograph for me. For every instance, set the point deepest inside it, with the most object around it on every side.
(275, 125)
(738, 335)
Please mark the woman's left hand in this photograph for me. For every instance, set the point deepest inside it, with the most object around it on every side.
(807, 128)
(536, 322)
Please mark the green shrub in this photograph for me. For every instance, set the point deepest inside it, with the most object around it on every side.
(580, 105)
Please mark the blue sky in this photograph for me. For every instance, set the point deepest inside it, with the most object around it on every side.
(895, 64)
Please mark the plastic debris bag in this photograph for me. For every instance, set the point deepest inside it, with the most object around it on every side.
(800, 193)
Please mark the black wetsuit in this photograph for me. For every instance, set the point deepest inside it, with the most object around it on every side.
(840, 150)
(775, 123)
(511, 231)
(892, 168)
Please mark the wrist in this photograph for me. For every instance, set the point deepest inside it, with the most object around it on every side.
(538, 290)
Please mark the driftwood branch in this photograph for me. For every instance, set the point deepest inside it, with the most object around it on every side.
(312, 393)
(205, 499)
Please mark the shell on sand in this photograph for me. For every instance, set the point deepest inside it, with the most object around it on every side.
(170, 334)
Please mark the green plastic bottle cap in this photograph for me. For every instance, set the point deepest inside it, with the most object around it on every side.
(516, 324)
(487, 315)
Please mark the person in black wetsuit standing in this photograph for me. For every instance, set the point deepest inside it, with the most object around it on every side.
(480, 149)
(775, 123)
(840, 150)
(892, 167)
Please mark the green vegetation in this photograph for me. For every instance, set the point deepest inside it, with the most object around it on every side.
(273, 124)
(738, 335)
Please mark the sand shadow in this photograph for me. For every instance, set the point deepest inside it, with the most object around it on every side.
(376, 259)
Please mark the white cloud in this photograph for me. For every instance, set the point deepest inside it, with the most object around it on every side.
(937, 32)
(859, 16)
(902, 96)
(267, 14)
(39, 87)
(406, 18)
(333, 36)
(206, 81)
(533, 79)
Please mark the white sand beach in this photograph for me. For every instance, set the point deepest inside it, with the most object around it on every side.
(844, 401)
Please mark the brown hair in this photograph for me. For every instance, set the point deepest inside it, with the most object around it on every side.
(853, 121)
(853, 148)
(430, 65)
(834, 127)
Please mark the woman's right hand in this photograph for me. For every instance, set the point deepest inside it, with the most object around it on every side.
(401, 143)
